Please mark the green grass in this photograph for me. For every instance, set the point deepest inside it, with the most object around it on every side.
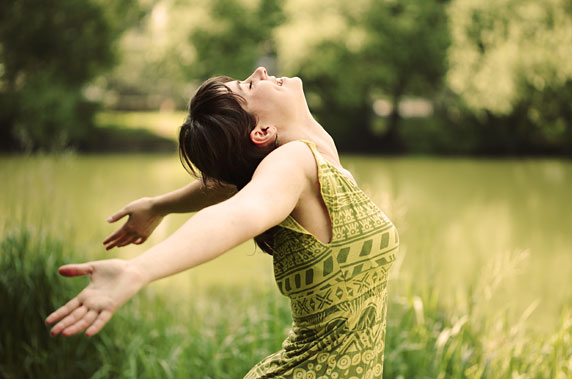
(224, 332)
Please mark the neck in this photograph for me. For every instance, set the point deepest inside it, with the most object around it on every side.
(302, 128)
(307, 129)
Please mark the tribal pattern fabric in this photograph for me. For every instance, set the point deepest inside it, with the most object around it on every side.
(337, 290)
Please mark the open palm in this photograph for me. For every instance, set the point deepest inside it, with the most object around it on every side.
(141, 223)
(113, 282)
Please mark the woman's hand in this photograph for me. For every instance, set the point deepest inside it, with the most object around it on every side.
(113, 282)
(143, 219)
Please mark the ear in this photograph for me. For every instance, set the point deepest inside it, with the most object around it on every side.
(263, 135)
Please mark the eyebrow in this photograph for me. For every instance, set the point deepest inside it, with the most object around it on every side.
(239, 87)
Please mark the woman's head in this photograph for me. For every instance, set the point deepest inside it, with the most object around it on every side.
(232, 125)
(276, 102)
(215, 138)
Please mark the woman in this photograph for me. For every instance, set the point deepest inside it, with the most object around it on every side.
(269, 171)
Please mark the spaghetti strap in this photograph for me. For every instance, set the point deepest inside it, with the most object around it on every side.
(319, 159)
(325, 190)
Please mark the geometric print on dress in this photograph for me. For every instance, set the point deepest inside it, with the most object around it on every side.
(337, 290)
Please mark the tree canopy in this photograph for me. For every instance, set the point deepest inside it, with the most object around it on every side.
(48, 51)
(497, 74)
(512, 60)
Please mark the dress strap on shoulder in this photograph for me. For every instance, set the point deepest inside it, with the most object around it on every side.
(319, 159)
(327, 188)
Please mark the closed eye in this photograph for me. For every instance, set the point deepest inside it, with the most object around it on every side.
(250, 85)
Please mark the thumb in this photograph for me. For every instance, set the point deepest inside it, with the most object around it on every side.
(76, 269)
(117, 215)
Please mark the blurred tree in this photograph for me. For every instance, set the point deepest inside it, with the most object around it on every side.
(384, 49)
(511, 62)
(234, 43)
(153, 54)
(182, 42)
(48, 50)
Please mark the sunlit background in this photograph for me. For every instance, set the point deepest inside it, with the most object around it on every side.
(455, 117)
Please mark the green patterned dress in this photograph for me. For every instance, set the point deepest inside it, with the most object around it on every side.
(337, 291)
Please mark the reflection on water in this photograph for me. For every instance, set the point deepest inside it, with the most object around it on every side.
(456, 218)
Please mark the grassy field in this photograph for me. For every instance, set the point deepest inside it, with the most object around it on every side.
(480, 289)
(225, 332)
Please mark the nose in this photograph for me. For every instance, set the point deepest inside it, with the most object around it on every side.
(260, 73)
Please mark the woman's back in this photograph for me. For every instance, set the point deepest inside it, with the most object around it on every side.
(338, 289)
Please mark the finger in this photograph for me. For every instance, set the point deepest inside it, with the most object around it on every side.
(120, 242)
(101, 320)
(81, 324)
(140, 240)
(76, 269)
(127, 241)
(117, 241)
(71, 319)
(118, 233)
(63, 311)
(117, 215)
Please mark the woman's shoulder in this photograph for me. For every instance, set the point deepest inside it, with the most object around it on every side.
(327, 155)
(294, 156)
(298, 152)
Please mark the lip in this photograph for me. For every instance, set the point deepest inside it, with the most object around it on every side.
(278, 81)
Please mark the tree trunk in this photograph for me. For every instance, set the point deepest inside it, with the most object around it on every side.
(392, 142)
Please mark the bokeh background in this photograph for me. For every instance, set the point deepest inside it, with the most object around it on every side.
(454, 116)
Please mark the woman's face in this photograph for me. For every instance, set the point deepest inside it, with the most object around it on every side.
(270, 99)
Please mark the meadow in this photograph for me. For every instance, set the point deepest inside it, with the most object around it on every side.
(481, 287)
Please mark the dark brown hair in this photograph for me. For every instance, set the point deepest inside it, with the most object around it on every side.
(215, 141)
(215, 138)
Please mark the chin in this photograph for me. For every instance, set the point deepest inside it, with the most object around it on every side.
(292, 79)
(296, 81)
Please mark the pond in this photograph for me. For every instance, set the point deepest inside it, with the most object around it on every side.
(468, 227)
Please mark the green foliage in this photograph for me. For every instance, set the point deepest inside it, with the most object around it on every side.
(500, 46)
(498, 73)
(224, 336)
(51, 115)
(227, 330)
(406, 49)
(30, 290)
(67, 39)
(402, 54)
(425, 339)
(511, 65)
(48, 51)
(233, 45)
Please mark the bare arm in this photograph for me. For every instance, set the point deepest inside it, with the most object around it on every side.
(269, 198)
(146, 213)
(192, 198)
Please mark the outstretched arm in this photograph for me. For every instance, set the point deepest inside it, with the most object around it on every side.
(146, 213)
(269, 198)
(192, 198)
